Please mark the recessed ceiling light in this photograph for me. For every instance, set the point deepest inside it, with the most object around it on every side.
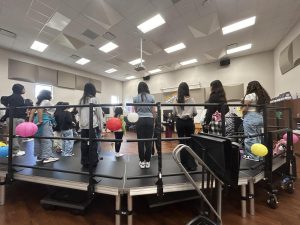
(239, 25)
(108, 47)
(190, 61)
(238, 49)
(130, 77)
(58, 21)
(82, 61)
(38, 46)
(136, 61)
(175, 48)
(110, 70)
(155, 71)
(151, 23)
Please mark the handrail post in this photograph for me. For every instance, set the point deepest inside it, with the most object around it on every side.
(159, 182)
(10, 170)
(223, 120)
(91, 186)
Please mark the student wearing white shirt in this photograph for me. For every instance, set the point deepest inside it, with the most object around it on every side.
(185, 123)
(89, 96)
(253, 118)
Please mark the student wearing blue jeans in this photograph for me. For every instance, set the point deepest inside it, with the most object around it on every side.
(253, 118)
(43, 118)
(253, 124)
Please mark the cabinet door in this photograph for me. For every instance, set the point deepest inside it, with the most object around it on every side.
(296, 108)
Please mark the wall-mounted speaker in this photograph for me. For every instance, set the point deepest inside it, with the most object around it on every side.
(146, 78)
(225, 62)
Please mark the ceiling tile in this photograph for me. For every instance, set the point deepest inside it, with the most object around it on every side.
(37, 16)
(183, 19)
(102, 13)
(42, 8)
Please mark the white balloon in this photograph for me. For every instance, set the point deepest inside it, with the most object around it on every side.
(133, 117)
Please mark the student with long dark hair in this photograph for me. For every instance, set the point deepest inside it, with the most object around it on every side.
(185, 123)
(57, 143)
(253, 118)
(217, 95)
(43, 118)
(145, 124)
(89, 96)
(119, 133)
(64, 118)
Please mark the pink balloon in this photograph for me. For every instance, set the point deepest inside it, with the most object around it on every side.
(26, 129)
(295, 138)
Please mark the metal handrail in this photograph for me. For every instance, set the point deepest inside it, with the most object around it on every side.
(175, 154)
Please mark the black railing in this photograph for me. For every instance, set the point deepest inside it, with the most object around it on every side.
(266, 134)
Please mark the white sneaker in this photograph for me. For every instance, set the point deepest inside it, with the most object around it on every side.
(51, 159)
(39, 159)
(147, 165)
(20, 153)
(142, 165)
(27, 139)
(118, 154)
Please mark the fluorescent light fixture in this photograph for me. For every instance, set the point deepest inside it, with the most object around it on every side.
(110, 70)
(190, 61)
(130, 77)
(175, 48)
(82, 61)
(38, 46)
(108, 47)
(58, 21)
(239, 25)
(151, 23)
(136, 61)
(155, 71)
(238, 49)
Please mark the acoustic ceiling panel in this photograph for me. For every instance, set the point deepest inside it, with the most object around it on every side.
(98, 84)
(66, 80)
(47, 76)
(22, 71)
(81, 81)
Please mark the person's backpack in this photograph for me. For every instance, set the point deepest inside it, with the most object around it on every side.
(279, 147)
(215, 125)
(5, 100)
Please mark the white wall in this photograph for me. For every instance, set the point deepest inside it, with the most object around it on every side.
(241, 70)
(289, 81)
(109, 86)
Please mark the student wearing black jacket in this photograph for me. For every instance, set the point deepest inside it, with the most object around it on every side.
(65, 122)
(19, 115)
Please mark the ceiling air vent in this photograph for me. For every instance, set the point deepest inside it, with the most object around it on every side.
(175, 1)
(109, 36)
(90, 34)
(74, 57)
